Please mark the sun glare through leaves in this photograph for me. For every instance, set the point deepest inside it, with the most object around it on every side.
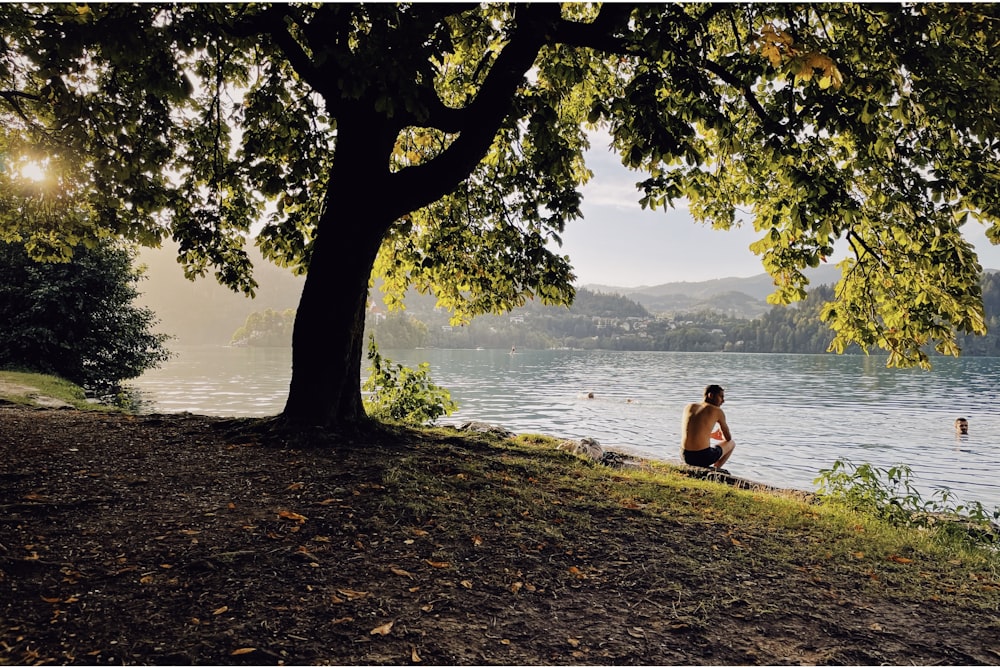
(33, 170)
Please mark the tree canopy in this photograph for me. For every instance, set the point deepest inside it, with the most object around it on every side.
(441, 145)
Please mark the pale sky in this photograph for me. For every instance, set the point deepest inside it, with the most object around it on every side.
(619, 244)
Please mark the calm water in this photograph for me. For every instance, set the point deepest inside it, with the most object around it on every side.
(790, 415)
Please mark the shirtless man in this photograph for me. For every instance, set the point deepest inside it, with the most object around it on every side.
(697, 426)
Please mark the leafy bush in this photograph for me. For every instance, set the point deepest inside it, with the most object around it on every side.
(397, 393)
(76, 319)
(889, 495)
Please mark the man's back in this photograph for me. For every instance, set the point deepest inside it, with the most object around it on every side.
(696, 425)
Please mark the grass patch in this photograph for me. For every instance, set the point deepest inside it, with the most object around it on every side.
(23, 388)
(538, 498)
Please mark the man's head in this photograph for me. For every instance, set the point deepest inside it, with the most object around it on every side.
(962, 425)
(715, 394)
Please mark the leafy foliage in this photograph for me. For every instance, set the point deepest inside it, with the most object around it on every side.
(399, 331)
(269, 328)
(76, 319)
(403, 394)
(889, 495)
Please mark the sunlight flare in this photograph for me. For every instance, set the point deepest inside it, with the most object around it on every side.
(34, 171)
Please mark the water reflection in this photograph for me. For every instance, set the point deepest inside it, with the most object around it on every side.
(791, 415)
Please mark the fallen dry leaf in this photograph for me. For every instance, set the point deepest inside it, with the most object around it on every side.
(900, 559)
(292, 516)
(399, 572)
(383, 629)
(352, 595)
(243, 651)
(437, 564)
(221, 610)
(413, 654)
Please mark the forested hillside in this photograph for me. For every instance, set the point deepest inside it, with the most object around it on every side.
(647, 318)
(616, 322)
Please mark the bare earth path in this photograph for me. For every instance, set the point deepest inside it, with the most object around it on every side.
(177, 539)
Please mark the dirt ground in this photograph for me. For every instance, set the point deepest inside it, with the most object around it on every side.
(181, 540)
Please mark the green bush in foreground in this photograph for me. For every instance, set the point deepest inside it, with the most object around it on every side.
(397, 393)
(890, 496)
(76, 319)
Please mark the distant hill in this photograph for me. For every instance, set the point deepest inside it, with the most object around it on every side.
(204, 312)
(738, 297)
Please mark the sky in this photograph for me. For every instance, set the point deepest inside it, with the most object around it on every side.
(619, 244)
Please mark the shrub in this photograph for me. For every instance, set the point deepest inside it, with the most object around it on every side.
(889, 495)
(76, 319)
(397, 393)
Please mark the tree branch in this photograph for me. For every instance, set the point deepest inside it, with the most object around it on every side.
(769, 123)
(599, 34)
(12, 96)
(478, 123)
(854, 237)
(271, 22)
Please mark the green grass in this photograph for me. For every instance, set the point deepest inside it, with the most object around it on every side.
(12, 384)
(772, 530)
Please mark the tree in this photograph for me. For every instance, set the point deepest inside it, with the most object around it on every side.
(76, 319)
(269, 328)
(441, 145)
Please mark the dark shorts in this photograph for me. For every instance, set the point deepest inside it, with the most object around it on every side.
(703, 457)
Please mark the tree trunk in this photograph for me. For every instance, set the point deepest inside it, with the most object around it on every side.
(327, 341)
(362, 203)
(328, 337)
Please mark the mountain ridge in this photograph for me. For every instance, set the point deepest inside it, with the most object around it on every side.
(740, 297)
(757, 286)
(202, 311)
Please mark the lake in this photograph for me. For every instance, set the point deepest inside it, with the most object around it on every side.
(791, 415)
